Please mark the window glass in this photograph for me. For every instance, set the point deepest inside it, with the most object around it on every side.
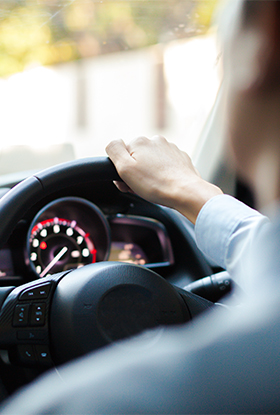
(75, 74)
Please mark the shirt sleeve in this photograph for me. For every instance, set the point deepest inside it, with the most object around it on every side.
(226, 231)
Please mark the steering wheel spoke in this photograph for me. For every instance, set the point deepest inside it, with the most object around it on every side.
(24, 322)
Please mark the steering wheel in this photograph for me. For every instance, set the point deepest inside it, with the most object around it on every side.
(66, 315)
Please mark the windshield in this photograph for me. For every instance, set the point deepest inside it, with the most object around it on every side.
(76, 74)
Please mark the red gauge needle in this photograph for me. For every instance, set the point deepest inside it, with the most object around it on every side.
(54, 261)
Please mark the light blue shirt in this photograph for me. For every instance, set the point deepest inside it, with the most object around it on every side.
(226, 232)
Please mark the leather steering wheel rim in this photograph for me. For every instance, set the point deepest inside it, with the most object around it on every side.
(15, 203)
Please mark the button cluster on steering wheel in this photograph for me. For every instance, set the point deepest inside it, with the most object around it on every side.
(30, 312)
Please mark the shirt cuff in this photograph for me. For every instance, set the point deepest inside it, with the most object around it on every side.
(215, 224)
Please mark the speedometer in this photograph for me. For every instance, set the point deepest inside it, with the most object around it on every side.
(67, 233)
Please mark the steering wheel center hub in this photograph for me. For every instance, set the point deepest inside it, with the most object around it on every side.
(127, 310)
(104, 302)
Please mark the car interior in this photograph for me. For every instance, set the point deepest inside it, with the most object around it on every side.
(75, 252)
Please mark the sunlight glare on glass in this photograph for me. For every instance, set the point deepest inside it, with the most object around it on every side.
(193, 80)
(31, 111)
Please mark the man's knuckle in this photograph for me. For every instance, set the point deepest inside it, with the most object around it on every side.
(141, 140)
(159, 139)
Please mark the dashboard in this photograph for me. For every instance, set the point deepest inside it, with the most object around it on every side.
(94, 222)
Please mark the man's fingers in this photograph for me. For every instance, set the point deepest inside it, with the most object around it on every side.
(120, 156)
(117, 152)
(136, 144)
(123, 187)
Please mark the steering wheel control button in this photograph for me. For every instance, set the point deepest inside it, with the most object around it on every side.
(36, 293)
(21, 315)
(31, 354)
(31, 335)
(26, 354)
(38, 314)
(43, 355)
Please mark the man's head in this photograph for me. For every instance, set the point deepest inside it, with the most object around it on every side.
(252, 83)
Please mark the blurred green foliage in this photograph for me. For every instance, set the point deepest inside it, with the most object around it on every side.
(54, 31)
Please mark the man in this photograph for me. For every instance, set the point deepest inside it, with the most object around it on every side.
(235, 366)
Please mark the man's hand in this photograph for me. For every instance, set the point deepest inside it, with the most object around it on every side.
(161, 173)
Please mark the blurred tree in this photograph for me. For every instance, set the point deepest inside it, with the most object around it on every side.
(54, 31)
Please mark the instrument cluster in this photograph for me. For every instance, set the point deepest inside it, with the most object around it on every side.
(71, 232)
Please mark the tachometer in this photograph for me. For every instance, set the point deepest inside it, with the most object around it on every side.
(59, 244)
(67, 233)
